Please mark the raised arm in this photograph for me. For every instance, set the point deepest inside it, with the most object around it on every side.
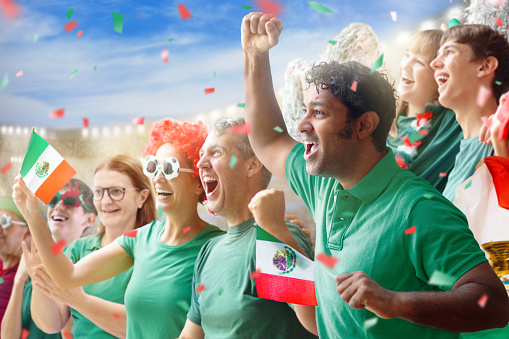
(260, 32)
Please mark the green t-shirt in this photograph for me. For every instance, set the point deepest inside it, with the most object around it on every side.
(112, 289)
(26, 315)
(158, 296)
(471, 152)
(438, 148)
(229, 306)
(365, 227)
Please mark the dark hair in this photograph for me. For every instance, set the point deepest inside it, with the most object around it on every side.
(485, 42)
(86, 192)
(374, 93)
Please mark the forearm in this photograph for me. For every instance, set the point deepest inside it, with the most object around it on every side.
(107, 315)
(307, 317)
(12, 322)
(49, 315)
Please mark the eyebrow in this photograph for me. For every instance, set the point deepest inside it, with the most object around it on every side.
(448, 45)
(316, 103)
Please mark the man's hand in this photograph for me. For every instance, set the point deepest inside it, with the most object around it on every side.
(26, 201)
(66, 296)
(360, 291)
(30, 258)
(296, 221)
(21, 276)
(260, 32)
(268, 208)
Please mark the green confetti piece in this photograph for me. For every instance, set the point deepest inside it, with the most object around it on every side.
(170, 40)
(333, 42)
(247, 7)
(369, 323)
(377, 64)
(415, 137)
(118, 22)
(278, 129)
(35, 37)
(468, 184)
(233, 161)
(73, 73)
(1, 280)
(427, 196)
(241, 105)
(69, 13)
(453, 22)
(214, 76)
(95, 68)
(221, 290)
(498, 83)
(319, 7)
(4, 82)
(441, 279)
(183, 305)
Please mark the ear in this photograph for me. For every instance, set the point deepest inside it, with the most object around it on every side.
(367, 124)
(199, 188)
(143, 197)
(254, 166)
(89, 220)
(487, 67)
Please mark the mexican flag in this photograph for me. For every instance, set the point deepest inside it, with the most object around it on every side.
(44, 171)
(286, 275)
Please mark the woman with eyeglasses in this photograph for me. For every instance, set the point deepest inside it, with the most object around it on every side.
(124, 199)
(162, 253)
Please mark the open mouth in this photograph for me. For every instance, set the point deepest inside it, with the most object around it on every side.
(59, 218)
(210, 185)
(163, 192)
(406, 81)
(310, 147)
(442, 80)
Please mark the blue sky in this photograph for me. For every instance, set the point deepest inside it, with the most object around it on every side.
(132, 81)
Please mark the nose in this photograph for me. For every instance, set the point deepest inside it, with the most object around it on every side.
(203, 162)
(304, 124)
(60, 205)
(436, 63)
(106, 198)
(159, 176)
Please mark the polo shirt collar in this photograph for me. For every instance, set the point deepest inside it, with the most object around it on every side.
(95, 243)
(375, 182)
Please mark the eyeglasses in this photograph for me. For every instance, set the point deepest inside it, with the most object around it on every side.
(170, 167)
(115, 193)
(6, 221)
(71, 198)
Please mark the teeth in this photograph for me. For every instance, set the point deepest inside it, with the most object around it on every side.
(209, 179)
(308, 143)
(442, 79)
(160, 191)
(406, 79)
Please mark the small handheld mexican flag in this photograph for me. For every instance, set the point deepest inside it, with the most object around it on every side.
(44, 170)
(286, 275)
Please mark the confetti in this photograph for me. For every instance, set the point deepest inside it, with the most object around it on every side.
(170, 40)
(269, 6)
(6, 168)
(482, 301)
(410, 230)
(24, 333)
(427, 196)
(118, 22)
(221, 290)
(209, 90)
(73, 73)
(468, 184)
(186, 229)
(164, 55)
(255, 274)
(453, 22)
(377, 64)
(200, 288)
(10, 9)
(95, 68)
(80, 33)
(498, 83)
(354, 86)
(278, 129)
(442, 174)
(289, 70)
(70, 26)
(131, 233)
(57, 247)
(247, 7)
(394, 16)
(319, 7)
(4, 82)
(242, 129)
(69, 13)
(116, 315)
(138, 121)
(241, 104)
(184, 12)
(498, 22)
(233, 161)
(58, 113)
(483, 96)
(327, 260)
(438, 278)
(35, 37)
(85, 122)
(1, 280)
(20, 73)
(67, 335)
(157, 134)
(370, 323)
(214, 77)
(183, 305)
(333, 42)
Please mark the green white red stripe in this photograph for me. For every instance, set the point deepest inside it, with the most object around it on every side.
(44, 171)
(286, 275)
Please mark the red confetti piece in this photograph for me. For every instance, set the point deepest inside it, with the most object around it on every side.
(410, 230)
(442, 174)
(157, 134)
(401, 162)
(498, 21)
(255, 274)
(24, 334)
(80, 33)
(70, 26)
(482, 301)
(200, 288)
(138, 121)
(57, 247)
(483, 96)
(327, 260)
(186, 229)
(10, 9)
(354, 86)
(241, 129)
(20, 73)
(184, 12)
(85, 122)
(116, 315)
(164, 55)
(289, 70)
(269, 6)
(503, 116)
(59, 113)
(131, 233)
(6, 167)
(67, 335)
(486, 122)
(209, 90)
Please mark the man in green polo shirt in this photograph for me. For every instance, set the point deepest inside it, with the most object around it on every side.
(409, 266)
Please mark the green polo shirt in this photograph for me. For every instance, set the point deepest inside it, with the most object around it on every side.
(112, 289)
(438, 149)
(365, 227)
(26, 315)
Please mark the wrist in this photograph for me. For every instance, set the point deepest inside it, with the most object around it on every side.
(398, 304)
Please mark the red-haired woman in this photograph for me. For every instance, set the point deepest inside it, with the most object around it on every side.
(162, 253)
